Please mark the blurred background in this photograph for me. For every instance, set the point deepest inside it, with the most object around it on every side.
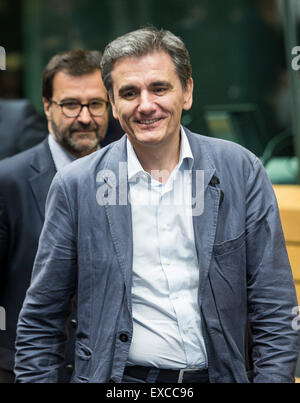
(240, 51)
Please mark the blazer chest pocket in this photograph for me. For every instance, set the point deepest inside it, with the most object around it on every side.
(227, 247)
(228, 273)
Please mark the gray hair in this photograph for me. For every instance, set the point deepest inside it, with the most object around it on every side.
(143, 42)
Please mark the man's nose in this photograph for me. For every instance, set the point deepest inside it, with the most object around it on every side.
(146, 103)
(84, 116)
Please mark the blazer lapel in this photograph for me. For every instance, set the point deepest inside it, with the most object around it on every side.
(43, 171)
(118, 210)
(205, 223)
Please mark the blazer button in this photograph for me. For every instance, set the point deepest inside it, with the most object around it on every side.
(70, 368)
(74, 323)
(123, 337)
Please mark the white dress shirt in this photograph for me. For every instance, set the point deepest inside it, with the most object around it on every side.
(166, 319)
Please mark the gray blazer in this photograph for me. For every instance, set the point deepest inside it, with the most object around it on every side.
(86, 250)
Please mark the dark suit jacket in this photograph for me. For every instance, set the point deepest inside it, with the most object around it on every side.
(21, 127)
(24, 182)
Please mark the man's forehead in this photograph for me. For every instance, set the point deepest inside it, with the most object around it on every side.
(155, 54)
(66, 83)
(154, 65)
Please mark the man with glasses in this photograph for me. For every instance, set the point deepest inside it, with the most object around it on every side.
(76, 106)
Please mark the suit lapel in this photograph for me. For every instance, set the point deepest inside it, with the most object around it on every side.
(119, 213)
(205, 223)
(43, 171)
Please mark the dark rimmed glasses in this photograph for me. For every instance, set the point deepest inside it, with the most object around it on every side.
(73, 109)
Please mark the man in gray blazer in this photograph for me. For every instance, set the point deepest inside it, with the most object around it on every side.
(171, 242)
(76, 106)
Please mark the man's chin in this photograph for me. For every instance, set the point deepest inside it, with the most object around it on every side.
(85, 147)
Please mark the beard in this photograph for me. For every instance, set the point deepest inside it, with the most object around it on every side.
(68, 137)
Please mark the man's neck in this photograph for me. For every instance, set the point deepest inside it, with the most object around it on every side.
(159, 160)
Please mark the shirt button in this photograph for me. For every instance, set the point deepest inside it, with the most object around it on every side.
(123, 337)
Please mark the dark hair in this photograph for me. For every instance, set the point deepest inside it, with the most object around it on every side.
(74, 62)
(142, 42)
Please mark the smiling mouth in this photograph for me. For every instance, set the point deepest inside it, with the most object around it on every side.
(148, 121)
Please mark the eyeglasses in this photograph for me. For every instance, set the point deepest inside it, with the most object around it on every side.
(73, 109)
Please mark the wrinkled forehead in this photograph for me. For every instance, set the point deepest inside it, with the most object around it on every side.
(85, 85)
(155, 66)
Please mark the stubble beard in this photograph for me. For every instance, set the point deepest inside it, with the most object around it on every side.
(65, 138)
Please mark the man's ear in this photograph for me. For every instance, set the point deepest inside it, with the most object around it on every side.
(113, 107)
(188, 95)
(47, 105)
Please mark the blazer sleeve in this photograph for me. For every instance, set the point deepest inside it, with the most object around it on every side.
(41, 336)
(271, 290)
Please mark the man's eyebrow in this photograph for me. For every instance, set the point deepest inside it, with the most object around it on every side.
(70, 99)
(161, 84)
(98, 99)
(125, 88)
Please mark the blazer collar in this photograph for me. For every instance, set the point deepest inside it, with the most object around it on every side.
(209, 199)
(43, 171)
(114, 179)
(202, 160)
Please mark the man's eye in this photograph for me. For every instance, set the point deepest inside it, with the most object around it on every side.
(129, 94)
(71, 105)
(159, 90)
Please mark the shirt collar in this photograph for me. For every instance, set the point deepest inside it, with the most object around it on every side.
(61, 157)
(135, 167)
(185, 150)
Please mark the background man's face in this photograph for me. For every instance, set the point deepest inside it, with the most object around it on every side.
(80, 135)
(149, 98)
